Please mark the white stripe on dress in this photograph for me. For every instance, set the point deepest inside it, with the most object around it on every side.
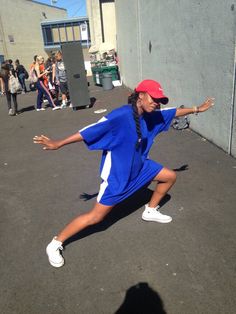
(104, 175)
(166, 108)
(88, 126)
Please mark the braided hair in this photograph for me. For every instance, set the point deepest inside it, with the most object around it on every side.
(132, 99)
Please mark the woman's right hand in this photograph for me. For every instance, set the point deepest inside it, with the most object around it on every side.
(47, 143)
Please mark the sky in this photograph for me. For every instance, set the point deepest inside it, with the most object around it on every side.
(75, 8)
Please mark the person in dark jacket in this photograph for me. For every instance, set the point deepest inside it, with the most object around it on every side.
(4, 80)
(21, 74)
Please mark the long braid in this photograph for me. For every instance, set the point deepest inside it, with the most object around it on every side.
(133, 100)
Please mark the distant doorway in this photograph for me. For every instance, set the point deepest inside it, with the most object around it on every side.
(1, 59)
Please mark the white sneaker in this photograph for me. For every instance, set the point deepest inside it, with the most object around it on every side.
(70, 106)
(56, 108)
(153, 214)
(10, 112)
(54, 255)
(63, 106)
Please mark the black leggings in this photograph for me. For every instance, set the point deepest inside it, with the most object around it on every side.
(9, 104)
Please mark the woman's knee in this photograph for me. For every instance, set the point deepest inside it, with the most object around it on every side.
(95, 216)
(166, 175)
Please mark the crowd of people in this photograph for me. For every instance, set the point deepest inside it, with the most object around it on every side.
(47, 77)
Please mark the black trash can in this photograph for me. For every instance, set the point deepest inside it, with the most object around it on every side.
(107, 81)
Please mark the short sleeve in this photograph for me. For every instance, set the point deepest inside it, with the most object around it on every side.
(98, 136)
(160, 120)
(168, 115)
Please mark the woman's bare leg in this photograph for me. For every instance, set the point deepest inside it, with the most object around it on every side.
(166, 179)
(94, 216)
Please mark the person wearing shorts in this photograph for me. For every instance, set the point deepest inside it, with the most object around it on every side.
(61, 78)
(125, 137)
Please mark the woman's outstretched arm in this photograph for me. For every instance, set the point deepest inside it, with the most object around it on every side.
(49, 144)
(208, 103)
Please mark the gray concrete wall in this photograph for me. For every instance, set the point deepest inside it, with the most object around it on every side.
(189, 47)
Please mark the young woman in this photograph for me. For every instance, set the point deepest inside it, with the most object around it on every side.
(41, 85)
(4, 81)
(125, 135)
(61, 79)
(54, 83)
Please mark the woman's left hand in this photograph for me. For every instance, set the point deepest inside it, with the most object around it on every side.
(208, 103)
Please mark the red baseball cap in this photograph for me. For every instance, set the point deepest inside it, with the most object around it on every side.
(154, 89)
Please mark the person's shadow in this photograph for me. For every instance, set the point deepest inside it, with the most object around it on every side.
(141, 299)
(25, 109)
(125, 208)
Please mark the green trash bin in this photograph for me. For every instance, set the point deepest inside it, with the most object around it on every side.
(113, 70)
(98, 71)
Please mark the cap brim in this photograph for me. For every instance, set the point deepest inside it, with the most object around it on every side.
(163, 100)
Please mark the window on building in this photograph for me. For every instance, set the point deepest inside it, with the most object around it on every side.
(11, 38)
(62, 34)
(55, 34)
(47, 34)
(70, 33)
(77, 32)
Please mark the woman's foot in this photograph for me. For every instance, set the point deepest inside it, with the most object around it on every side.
(56, 108)
(53, 251)
(11, 112)
(153, 214)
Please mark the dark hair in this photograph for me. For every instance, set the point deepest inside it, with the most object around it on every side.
(132, 99)
(5, 70)
(35, 57)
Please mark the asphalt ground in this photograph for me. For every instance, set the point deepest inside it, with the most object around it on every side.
(123, 265)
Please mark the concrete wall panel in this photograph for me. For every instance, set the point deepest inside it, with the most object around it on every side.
(189, 47)
(128, 41)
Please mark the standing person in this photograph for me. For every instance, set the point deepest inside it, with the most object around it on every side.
(125, 135)
(54, 83)
(4, 78)
(32, 75)
(11, 66)
(22, 74)
(61, 78)
(48, 66)
(34, 62)
(41, 85)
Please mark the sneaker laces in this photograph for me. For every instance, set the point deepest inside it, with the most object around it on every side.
(60, 248)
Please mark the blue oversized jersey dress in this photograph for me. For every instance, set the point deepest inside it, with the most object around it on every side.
(125, 168)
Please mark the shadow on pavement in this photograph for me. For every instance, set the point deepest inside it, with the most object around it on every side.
(87, 197)
(125, 208)
(92, 103)
(29, 108)
(141, 299)
(182, 168)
